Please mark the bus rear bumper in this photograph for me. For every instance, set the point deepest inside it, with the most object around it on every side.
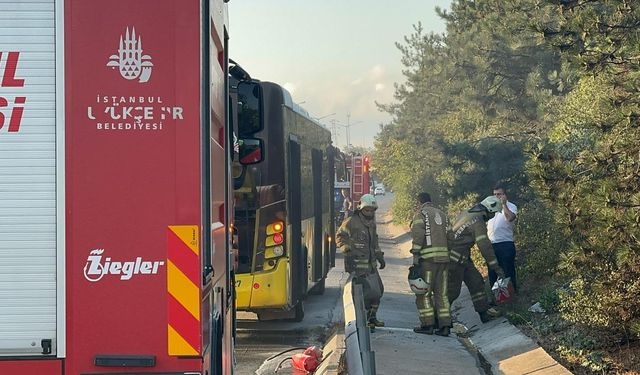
(261, 290)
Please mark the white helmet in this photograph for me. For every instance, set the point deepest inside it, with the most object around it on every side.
(416, 282)
(492, 204)
(368, 200)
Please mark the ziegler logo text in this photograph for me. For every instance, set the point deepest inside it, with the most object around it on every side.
(97, 267)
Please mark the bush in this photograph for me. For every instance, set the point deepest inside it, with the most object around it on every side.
(539, 241)
(549, 298)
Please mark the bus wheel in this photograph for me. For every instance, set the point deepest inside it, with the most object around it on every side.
(319, 288)
(299, 312)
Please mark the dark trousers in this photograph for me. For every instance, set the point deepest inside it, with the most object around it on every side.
(506, 256)
(467, 272)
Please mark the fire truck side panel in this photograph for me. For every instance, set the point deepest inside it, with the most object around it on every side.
(133, 149)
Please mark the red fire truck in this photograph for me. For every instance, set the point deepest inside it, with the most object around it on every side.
(359, 176)
(115, 188)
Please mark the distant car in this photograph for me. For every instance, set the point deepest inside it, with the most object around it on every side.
(379, 191)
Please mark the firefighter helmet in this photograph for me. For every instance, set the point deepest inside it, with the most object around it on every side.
(416, 282)
(368, 200)
(492, 204)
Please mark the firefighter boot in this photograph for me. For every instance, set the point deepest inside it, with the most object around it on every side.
(427, 330)
(489, 314)
(444, 331)
(373, 320)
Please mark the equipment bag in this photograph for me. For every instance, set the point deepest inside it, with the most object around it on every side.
(502, 290)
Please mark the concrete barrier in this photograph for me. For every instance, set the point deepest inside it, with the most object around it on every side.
(360, 360)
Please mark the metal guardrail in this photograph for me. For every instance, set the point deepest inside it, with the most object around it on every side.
(360, 358)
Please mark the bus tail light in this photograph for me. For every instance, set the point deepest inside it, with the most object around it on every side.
(274, 243)
(274, 228)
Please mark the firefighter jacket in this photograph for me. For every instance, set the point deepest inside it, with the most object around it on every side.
(357, 238)
(470, 228)
(429, 234)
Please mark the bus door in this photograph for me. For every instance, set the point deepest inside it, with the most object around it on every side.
(316, 162)
(294, 212)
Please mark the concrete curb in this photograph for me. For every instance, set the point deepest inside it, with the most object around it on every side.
(503, 346)
(514, 353)
(333, 353)
(334, 349)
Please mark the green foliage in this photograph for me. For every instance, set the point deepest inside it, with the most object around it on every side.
(589, 169)
(593, 360)
(549, 298)
(540, 240)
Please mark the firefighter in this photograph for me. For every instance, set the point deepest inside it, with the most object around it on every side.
(357, 238)
(470, 228)
(431, 256)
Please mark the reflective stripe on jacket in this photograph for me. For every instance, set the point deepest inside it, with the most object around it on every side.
(429, 234)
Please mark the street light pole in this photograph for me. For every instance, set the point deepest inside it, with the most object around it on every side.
(321, 117)
(349, 124)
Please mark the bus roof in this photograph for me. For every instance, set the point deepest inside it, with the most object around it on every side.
(288, 101)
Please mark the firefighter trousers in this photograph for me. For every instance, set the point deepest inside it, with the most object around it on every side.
(372, 291)
(467, 272)
(434, 306)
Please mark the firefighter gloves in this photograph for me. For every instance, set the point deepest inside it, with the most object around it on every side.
(380, 258)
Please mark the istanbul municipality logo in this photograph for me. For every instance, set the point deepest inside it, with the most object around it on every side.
(130, 61)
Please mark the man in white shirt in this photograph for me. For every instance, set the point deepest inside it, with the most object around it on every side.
(500, 232)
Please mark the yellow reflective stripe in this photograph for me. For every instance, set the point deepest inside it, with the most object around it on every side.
(493, 263)
(432, 255)
(419, 221)
(481, 237)
(416, 247)
(439, 250)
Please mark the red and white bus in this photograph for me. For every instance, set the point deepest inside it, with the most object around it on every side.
(114, 188)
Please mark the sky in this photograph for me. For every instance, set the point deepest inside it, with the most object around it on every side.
(337, 58)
